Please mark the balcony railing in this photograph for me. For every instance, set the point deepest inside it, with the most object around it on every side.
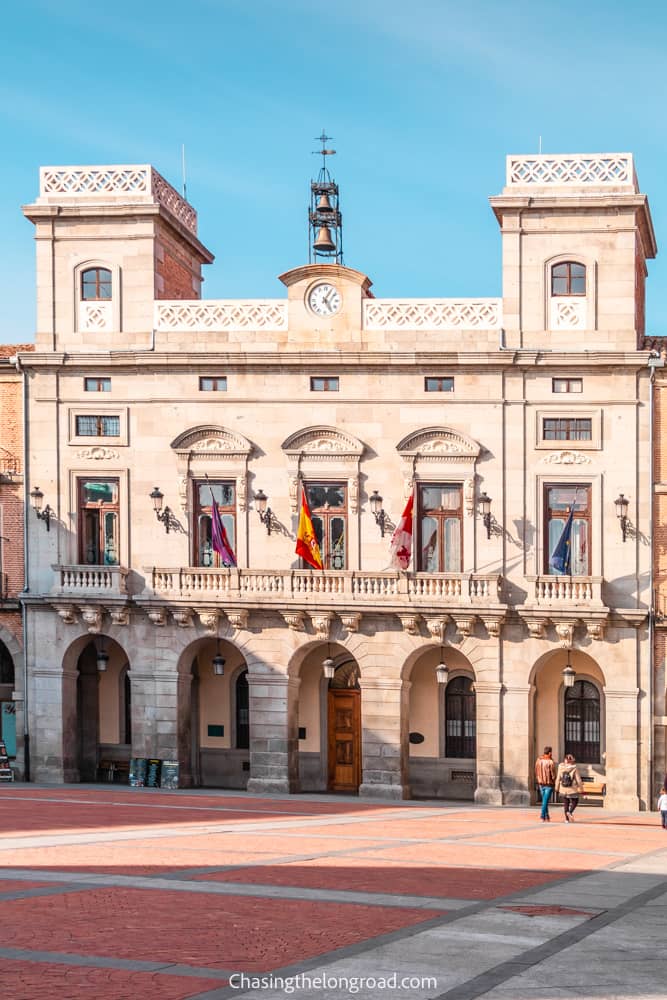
(576, 170)
(432, 314)
(336, 586)
(566, 591)
(90, 581)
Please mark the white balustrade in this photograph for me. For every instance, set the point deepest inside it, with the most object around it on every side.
(219, 315)
(87, 580)
(601, 169)
(432, 314)
(563, 591)
(136, 184)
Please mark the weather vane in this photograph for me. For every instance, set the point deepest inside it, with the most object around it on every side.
(324, 138)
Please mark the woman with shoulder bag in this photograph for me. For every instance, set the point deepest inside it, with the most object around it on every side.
(569, 786)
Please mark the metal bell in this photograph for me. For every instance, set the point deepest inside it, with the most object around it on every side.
(323, 203)
(323, 241)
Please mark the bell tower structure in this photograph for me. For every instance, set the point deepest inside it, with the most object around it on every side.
(325, 221)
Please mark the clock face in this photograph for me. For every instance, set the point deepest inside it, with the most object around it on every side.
(324, 300)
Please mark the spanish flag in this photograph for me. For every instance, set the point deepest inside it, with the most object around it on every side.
(306, 541)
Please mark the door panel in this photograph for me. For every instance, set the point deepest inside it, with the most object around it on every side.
(344, 718)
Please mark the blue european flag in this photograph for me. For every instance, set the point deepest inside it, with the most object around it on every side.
(561, 557)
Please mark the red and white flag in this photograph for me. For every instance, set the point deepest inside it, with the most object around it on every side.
(401, 541)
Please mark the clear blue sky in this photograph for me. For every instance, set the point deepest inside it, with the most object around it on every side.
(423, 99)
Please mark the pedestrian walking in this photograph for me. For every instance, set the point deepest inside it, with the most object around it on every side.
(662, 806)
(545, 776)
(569, 786)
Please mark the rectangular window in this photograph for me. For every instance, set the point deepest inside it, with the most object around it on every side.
(224, 494)
(432, 384)
(318, 384)
(97, 501)
(558, 501)
(328, 507)
(567, 429)
(567, 385)
(97, 385)
(97, 426)
(213, 384)
(440, 528)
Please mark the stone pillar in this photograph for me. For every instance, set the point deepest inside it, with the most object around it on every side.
(274, 745)
(488, 731)
(623, 749)
(53, 728)
(384, 739)
(517, 729)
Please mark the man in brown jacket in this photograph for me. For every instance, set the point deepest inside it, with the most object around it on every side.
(545, 776)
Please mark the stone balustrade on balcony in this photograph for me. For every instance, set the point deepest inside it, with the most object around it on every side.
(565, 592)
(90, 581)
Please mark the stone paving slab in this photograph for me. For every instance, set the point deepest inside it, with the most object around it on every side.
(115, 893)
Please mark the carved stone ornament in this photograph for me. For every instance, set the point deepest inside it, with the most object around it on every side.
(595, 630)
(323, 440)
(439, 443)
(242, 491)
(92, 618)
(437, 627)
(119, 616)
(237, 619)
(293, 493)
(209, 619)
(465, 625)
(183, 492)
(565, 633)
(536, 627)
(294, 620)
(469, 496)
(493, 626)
(408, 486)
(566, 458)
(182, 617)
(410, 624)
(97, 453)
(351, 621)
(353, 494)
(158, 616)
(322, 624)
(67, 612)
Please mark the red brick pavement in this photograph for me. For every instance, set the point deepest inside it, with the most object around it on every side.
(216, 931)
(36, 980)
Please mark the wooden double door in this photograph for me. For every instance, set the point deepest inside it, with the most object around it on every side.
(344, 737)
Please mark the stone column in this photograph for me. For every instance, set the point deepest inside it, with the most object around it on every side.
(274, 745)
(517, 729)
(384, 739)
(488, 730)
(53, 728)
(623, 749)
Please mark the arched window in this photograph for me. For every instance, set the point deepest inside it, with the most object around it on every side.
(6, 666)
(568, 278)
(242, 711)
(460, 718)
(96, 284)
(582, 722)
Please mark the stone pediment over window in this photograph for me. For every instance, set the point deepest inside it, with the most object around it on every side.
(323, 441)
(211, 440)
(439, 444)
(319, 451)
(210, 450)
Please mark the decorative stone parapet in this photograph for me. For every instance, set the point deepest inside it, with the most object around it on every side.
(432, 314)
(219, 315)
(113, 184)
(578, 170)
(566, 591)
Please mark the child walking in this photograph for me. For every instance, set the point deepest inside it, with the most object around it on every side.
(662, 806)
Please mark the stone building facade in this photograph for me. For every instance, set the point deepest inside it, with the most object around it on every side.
(11, 555)
(144, 399)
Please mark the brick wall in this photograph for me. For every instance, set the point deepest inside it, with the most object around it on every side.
(177, 270)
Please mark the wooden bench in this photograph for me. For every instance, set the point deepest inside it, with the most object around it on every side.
(593, 789)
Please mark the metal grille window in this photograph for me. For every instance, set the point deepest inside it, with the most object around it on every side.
(97, 425)
(582, 722)
(568, 278)
(567, 385)
(97, 384)
(567, 429)
(213, 384)
(319, 384)
(242, 712)
(460, 716)
(96, 284)
(438, 384)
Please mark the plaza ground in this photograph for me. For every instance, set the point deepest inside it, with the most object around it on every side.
(114, 893)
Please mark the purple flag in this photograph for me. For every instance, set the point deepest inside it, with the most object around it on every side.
(219, 538)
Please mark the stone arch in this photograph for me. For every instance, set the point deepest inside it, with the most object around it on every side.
(325, 452)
